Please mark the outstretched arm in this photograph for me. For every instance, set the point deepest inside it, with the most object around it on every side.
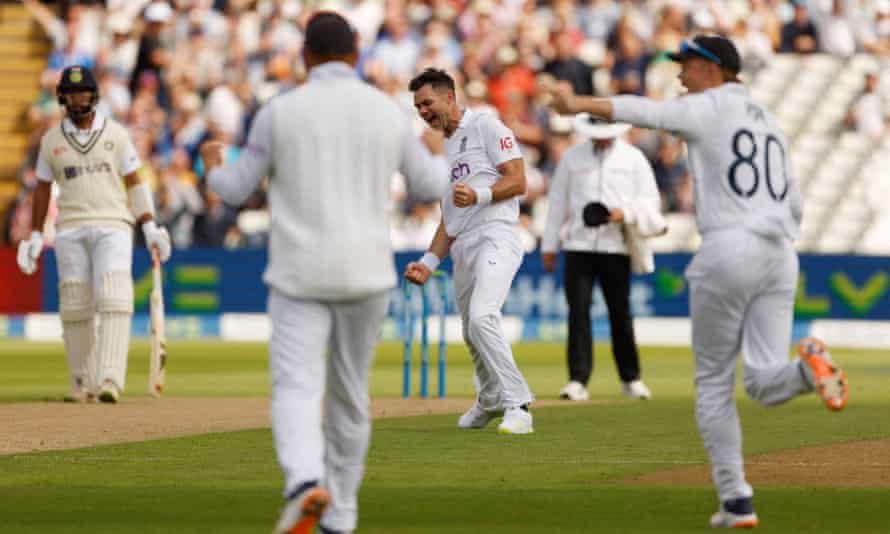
(234, 183)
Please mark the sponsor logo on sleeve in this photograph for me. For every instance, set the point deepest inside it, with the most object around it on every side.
(506, 143)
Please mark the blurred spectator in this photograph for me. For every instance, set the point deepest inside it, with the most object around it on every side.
(178, 201)
(670, 171)
(875, 32)
(754, 46)
(187, 124)
(45, 109)
(835, 25)
(224, 109)
(566, 66)
(799, 35)
(153, 56)
(216, 226)
(114, 97)
(866, 114)
(509, 80)
(120, 49)
(671, 29)
(366, 16)
(476, 95)
(631, 60)
(763, 18)
(398, 50)
(598, 18)
(75, 39)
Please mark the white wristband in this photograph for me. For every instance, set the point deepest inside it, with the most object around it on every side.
(141, 201)
(149, 227)
(431, 261)
(483, 196)
(36, 236)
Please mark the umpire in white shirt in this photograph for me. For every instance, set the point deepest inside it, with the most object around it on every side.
(329, 148)
(597, 189)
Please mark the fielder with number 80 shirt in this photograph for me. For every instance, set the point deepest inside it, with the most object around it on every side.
(743, 279)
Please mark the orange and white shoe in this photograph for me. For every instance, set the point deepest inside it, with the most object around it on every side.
(303, 511)
(737, 513)
(829, 379)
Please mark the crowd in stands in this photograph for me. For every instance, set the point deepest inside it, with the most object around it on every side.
(186, 71)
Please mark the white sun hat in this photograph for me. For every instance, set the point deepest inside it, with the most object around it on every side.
(158, 12)
(586, 125)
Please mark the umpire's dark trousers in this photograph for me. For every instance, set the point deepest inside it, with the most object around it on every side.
(613, 270)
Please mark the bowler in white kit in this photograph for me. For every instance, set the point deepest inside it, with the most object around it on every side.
(93, 162)
(743, 279)
(330, 148)
(478, 228)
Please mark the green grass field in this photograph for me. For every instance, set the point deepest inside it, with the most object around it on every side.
(423, 475)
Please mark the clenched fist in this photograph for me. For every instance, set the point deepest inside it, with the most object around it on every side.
(417, 273)
(563, 99)
(157, 238)
(212, 154)
(464, 195)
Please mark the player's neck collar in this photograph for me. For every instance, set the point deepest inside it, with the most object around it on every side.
(332, 69)
(69, 127)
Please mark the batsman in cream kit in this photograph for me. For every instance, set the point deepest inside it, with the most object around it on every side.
(93, 162)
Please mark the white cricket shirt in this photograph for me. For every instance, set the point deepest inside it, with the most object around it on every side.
(128, 158)
(330, 148)
(619, 177)
(480, 143)
(87, 167)
(738, 157)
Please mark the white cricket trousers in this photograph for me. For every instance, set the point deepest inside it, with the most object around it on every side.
(95, 275)
(485, 260)
(742, 288)
(320, 359)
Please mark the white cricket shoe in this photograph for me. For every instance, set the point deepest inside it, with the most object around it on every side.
(574, 391)
(516, 421)
(636, 389)
(476, 417)
(303, 511)
(109, 392)
(737, 513)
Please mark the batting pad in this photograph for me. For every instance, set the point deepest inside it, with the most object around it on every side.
(115, 303)
(78, 332)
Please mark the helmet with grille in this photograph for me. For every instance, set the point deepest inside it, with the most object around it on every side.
(77, 79)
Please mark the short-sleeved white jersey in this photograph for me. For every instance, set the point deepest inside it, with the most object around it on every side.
(737, 154)
(480, 143)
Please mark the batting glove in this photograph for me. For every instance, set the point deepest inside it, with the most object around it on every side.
(29, 252)
(156, 236)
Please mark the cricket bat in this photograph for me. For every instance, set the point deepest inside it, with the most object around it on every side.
(157, 372)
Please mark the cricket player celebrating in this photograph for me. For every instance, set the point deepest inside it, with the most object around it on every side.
(479, 214)
(330, 149)
(743, 279)
(86, 155)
